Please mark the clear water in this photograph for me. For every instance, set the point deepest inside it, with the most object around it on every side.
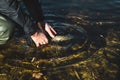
(99, 60)
(85, 12)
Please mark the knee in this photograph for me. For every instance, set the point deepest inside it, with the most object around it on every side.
(5, 30)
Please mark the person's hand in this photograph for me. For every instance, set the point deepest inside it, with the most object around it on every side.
(39, 38)
(48, 29)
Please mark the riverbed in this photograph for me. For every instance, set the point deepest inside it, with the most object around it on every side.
(98, 59)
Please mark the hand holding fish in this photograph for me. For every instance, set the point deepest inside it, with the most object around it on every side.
(40, 38)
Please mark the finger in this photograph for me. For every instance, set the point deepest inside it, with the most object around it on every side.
(37, 44)
(42, 42)
(46, 40)
(53, 31)
(50, 32)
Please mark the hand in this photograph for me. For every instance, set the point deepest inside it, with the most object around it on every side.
(48, 29)
(39, 38)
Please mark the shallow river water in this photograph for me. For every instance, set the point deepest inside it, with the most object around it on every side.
(96, 57)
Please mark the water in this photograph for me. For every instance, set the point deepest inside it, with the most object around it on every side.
(87, 11)
(97, 60)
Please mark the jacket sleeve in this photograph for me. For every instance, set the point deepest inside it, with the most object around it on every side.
(12, 10)
(35, 10)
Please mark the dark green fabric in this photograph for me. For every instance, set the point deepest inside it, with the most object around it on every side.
(6, 28)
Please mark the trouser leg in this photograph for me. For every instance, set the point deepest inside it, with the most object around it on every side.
(6, 29)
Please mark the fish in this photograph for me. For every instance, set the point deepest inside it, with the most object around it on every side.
(62, 38)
